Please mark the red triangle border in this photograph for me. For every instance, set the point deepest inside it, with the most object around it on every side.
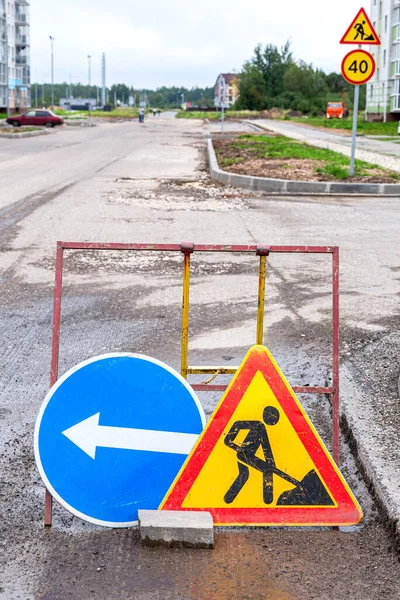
(346, 512)
(357, 42)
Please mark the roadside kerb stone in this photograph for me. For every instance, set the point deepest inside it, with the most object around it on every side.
(287, 186)
(382, 476)
(176, 528)
(383, 160)
(24, 134)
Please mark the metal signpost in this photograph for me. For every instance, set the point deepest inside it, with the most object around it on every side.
(222, 97)
(358, 66)
(112, 434)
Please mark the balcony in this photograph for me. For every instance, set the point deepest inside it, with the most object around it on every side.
(22, 77)
(22, 40)
(21, 19)
(22, 60)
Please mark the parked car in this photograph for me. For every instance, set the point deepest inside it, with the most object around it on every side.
(35, 117)
(336, 110)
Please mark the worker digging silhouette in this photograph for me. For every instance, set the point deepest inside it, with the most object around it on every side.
(359, 27)
(257, 437)
(310, 491)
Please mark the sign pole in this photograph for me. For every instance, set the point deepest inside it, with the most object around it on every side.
(358, 66)
(354, 131)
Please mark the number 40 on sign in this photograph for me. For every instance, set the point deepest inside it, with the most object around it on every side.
(358, 67)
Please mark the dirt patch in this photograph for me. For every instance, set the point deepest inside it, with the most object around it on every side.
(242, 160)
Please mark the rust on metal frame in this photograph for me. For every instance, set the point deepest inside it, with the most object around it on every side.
(187, 248)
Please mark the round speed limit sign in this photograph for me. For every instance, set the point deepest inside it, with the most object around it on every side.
(358, 66)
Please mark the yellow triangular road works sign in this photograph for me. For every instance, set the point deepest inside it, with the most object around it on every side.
(260, 461)
(361, 31)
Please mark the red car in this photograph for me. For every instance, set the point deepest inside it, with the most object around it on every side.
(36, 117)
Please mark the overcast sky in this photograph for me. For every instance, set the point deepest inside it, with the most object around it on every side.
(180, 42)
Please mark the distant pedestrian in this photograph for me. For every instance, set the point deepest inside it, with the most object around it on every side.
(141, 115)
(158, 112)
(154, 112)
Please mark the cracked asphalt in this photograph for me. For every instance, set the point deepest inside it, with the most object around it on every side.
(126, 183)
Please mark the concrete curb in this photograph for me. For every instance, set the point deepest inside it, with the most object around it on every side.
(25, 134)
(381, 477)
(287, 186)
(176, 528)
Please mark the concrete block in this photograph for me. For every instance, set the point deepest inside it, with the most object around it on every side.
(176, 528)
(391, 188)
(355, 188)
(307, 187)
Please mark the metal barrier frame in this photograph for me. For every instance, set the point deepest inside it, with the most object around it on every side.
(188, 248)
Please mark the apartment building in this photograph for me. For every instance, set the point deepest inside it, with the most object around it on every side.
(14, 54)
(383, 90)
(225, 90)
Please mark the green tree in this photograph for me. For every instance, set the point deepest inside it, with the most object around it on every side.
(272, 63)
(306, 87)
(252, 89)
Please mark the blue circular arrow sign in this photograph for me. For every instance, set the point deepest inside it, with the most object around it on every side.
(112, 434)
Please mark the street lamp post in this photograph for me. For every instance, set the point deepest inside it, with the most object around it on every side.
(52, 70)
(89, 59)
(6, 60)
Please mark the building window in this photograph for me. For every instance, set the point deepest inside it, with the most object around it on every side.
(371, 91)
(395, 97)
(385, 24)
(384, 58)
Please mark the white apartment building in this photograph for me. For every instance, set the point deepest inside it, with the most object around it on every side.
(14, 54)
(383, 90)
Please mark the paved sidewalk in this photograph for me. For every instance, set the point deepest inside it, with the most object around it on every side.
(367, 148)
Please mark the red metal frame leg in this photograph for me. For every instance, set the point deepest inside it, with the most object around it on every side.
(335, 351)
(55, 350)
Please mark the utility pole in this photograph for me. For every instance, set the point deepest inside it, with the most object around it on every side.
(6, 57)
(89, 58)
(103, 79)
(52, 70)
(36, 95)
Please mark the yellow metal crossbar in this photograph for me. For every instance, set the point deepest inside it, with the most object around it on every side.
(187, 250)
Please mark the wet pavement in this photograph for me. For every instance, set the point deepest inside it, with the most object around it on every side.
(132, 303)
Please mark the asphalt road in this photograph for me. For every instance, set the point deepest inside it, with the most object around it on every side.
(131, 183)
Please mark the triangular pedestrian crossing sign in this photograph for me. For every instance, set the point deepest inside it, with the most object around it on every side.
(259, 461)
(361, 31)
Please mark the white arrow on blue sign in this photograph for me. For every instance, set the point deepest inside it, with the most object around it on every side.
(112, 434)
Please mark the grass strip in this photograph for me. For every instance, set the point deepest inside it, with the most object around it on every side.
(328, 162)
(363, 127)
